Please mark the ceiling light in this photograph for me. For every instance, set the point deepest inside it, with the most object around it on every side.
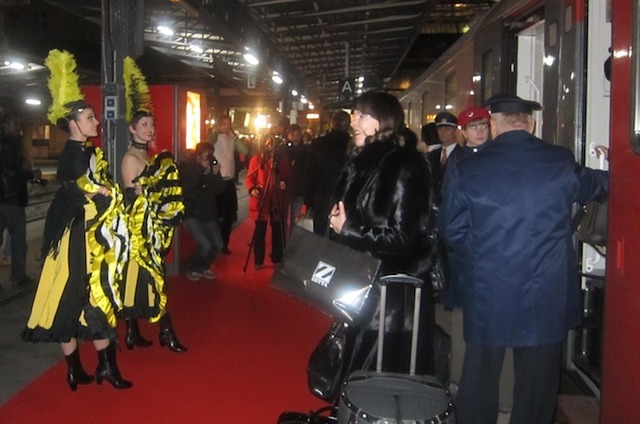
(250, 57)
(294, 93)
(165, 30)
(33, 102)
(196, 49)
(17, 66)
(276, 78)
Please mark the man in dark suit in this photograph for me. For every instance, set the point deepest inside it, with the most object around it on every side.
(327, 156)
(506, 212)
(447, 127)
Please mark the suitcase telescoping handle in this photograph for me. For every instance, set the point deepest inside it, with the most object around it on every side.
(399, 279)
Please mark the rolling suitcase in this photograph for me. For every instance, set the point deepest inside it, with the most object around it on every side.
(393, 398)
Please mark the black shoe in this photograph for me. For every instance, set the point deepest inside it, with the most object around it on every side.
(167, 336)
(75, 373)
(226, 250)
(133, 336)
(108, 368)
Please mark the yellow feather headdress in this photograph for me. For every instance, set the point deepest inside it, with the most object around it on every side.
(135, 88)
(63, 85)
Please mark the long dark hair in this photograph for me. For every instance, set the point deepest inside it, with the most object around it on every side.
(387, 110)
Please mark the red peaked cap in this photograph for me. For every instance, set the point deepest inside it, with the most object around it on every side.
(471, 114)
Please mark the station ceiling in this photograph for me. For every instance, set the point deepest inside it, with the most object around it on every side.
(312, 44)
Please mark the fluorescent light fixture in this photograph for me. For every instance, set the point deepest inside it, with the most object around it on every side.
(303, 100)
(313, 116)
(32, 101)
(162, 29)
(276, 78)
(294, 93)
(311, 106)
(250, 57)
(17, 66)
(196, 49)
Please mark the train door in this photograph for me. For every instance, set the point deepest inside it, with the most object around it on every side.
(584, 347)
(530, 67)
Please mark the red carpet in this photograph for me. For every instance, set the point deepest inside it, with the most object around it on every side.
(248, 350)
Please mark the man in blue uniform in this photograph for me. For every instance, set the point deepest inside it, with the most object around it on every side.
(506, 211)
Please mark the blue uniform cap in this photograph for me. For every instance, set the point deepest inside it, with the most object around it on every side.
(508, 103)
(446, 119)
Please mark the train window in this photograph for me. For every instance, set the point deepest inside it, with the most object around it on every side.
(568, 19)
(553, 34)
(450, 91)
(486, 82)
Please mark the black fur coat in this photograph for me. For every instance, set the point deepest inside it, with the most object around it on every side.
(387, 194)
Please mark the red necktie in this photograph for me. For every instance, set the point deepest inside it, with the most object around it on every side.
(443, 157)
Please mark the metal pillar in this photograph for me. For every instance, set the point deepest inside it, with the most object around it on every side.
(122, 35)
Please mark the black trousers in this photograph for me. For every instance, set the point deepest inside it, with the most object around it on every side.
(536, 384)
(227, 203)
(277, 241)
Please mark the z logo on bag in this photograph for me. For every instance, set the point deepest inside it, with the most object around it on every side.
(323, 274)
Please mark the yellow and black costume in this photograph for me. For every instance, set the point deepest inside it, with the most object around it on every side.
(77, 295)
(151, 219)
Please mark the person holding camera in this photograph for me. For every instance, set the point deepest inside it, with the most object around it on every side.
(15, 172)
(201, 184)
(268, 177)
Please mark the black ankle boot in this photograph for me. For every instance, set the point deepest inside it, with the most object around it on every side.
(133, 336)
(168, 335)
(75, 373)
(108, 368)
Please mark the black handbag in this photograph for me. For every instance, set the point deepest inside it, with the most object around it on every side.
(437, 275)
(592, 228)
(326, 367)
(327, 275)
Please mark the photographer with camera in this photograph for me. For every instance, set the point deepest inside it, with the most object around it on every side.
(15, 172)
(201, 184)
(268, 177)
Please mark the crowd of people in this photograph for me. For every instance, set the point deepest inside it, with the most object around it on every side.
(498, 198)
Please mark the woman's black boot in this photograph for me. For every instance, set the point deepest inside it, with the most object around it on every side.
(75, 373)
(168, 335)
(133, 336)
(108, 368)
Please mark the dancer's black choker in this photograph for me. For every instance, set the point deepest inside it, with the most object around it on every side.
(140, 146)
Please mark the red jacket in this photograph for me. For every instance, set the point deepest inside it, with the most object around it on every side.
(277, 201)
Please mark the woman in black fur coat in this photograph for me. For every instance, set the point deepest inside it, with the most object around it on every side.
(382, 206)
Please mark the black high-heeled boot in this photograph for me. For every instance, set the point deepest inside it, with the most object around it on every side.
(133, 336)
(75, 373)
(168, 336)
(108, 368)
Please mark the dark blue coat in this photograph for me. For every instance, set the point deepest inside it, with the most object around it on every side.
(506, 212)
